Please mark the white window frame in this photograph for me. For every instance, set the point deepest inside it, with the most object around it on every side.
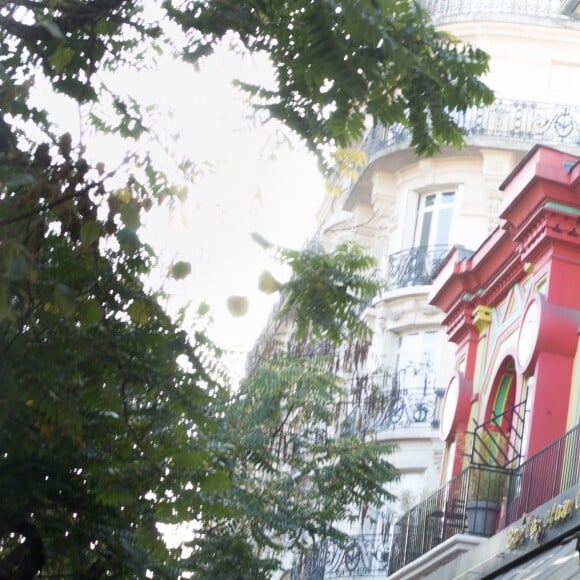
(412, 369)
(442, 200)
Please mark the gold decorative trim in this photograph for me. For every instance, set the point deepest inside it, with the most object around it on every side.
(481, 317)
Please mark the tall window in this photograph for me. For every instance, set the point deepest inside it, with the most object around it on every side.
(434, 219)
(417, 359)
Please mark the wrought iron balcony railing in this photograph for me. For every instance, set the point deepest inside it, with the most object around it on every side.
(442, 10)
(390, 410)
(464, 504)
(414, 266)
(544, 476)
(390, 400)
(469, 503)
(518, 123)
(362, 556)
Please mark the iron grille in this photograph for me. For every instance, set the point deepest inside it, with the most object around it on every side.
(522, 123)
(498, 441)
(365, 555)
(415, 266)
(545, 475)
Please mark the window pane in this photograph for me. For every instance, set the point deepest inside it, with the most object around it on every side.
(417, 360)
(443, 227)
(434, 219)
(408, 348)
(425, 229)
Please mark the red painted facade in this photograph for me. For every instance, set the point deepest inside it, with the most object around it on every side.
(513, 307)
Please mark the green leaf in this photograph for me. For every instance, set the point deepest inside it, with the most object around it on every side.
(128, 240)
(60, 57)
(65, 299)
(216, 482)
(90, 232)
(123, 194)
(138, 312)
(130, 216)
(91, 312)
(180, 270)
(268, 284)
(237, 305)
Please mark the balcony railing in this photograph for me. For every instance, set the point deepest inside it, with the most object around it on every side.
(414, 266)
(544, 476)
(390, 400)
(362, 556)
(441, 10)
(520, 123)
(450, 510)
(390, 410)
(469, 503)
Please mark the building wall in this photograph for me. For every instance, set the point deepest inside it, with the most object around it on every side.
(533, 60)
(535, 73)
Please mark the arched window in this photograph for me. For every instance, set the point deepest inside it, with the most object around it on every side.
(503, 396)
(498, 439)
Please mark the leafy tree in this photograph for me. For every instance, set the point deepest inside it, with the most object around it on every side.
(111, 418)
(336, 61)
(328, 292)
(296, 473)
(103, 422)
(339, 61)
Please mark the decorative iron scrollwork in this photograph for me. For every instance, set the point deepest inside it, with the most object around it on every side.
(363, 555)
(404, 399)
(522, 122)
(415, 266)
(444, 9)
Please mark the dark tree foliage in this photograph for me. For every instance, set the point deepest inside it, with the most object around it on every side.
(112, 418)
(102, 431)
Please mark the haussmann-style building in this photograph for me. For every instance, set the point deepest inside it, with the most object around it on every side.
(473, 367)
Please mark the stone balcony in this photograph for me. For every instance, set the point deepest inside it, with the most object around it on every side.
(443, 11)
(510, 124)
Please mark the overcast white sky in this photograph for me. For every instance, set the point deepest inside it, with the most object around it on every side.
(257, 184)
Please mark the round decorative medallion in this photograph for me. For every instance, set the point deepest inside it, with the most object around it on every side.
(563, 124)
(456, 406)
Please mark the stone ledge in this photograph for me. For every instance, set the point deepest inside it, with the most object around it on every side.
(437, 557)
